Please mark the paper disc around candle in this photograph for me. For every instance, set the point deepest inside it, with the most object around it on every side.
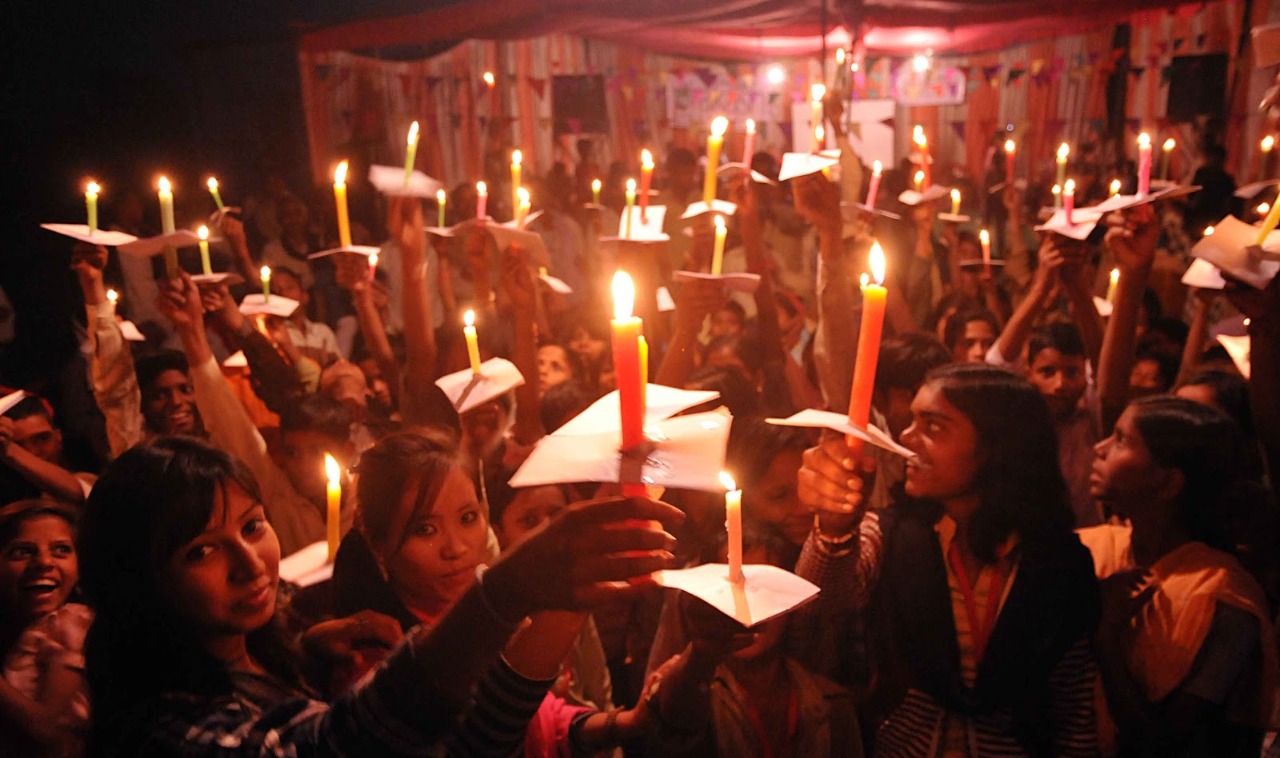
(954, 218)
(850, 211)
(276, 305)
(977, 264)
(98, 237)
(700, 208)
(468, 390)
(838, 422)
(226, 278)
(933, 192)
(739, 282)
(150, 246)
(389, 180)
(309, 566)
(365, 250)
(765, 592)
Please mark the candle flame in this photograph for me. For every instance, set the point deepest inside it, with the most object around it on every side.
(877, 168)
(984, 237)
(332, 470)
(919, 138)
(646, 159)
(1264, 208)
(864, 280)
(488, 78)
(1115, 186)
(1057, 189)
(1144, 140)
(1169, 145)
(631, 186)
(1064, 150)
(164, 185)
(751, 126)
(523, 194)
(919, 177)
(212, 184)
(412, 139)
(819, 134)
(92, 188)
(817, 92)
(340, 175)
(1267, 143)
(1115, 275)
(840, 55)
(373, 260)
(719, 224)
(1208, 231)
(113, 296)
(955, 195)
(469, 318)
(719, 125)
(727, 482)
(876, 259)
(203, 232)
(482, 189)
(595, 185)
(624, 296)
(517, 158)
(265, 273)
(1010, 146)
(441, 197)
(1070, 187)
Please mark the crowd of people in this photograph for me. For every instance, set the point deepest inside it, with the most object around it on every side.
(1080, 557)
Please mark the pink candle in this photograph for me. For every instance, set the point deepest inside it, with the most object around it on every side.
(1144, 164)
(482, 200)
(874, 189)
(749, 144)
(1069, 200)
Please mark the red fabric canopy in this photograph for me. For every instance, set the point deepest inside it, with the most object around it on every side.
(738, 29)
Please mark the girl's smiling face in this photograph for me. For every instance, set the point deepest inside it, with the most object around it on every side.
(38, 567)
(945, 442)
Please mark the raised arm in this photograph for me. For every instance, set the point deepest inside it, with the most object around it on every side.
(420, 399)
(233, 229)
(818, 201)
(49, 478)
(1196, 335)
(520, 292)
(759, 262)
(1079, 293)
(1015, 333)
(353, 276)
(1263, 309)
(1132, 240)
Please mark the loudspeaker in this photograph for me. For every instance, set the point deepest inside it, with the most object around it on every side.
(1197, 87)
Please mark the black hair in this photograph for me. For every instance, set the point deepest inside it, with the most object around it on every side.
(150, 502)
(753, 443)
(421, 458)
(1231, 396)
(1202, 443)
(1060, 336)
(1151, 304)
(27, 407)
(734, 307)
(150, 367)
(755, 534)
(736, 393)
(905, 361)
(958, 320)
(1172, 329)
(1166, 365)
(318, 413)
(563, 401)
(17, 513)
(747, 348)
(1019, 483)
(957, 300)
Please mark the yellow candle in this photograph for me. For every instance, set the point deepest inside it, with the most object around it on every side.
(715, 141)
(91, 191)
(717, 255)
(166, 227)
(340, 199)
(1113, 282)
(473, 345)
(918, 180)
(631, 201)
(203, 234)
(985, 238)
(955, 202)
(733, 525)
(595, 191)
(1057, 195)
(411, 152)
(1268, 224)
(517, 162)
(333, 517)
(442, 199)
(212, 184)
(523, 204)
(644, 371)
(265, 274)
(1165, 150)
(1064, 151)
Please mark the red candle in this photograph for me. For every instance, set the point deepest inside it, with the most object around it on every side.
(864, 367)
(1144, 164)
(749, 144)
(482, 200)
(1069, 200)
(626, 330)
(876, 169)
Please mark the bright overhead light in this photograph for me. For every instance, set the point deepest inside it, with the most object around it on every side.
(776, 75)
(920, 63)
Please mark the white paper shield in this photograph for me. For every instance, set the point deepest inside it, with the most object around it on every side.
(838, 422)
(1203, 275)
(1103, 306)
(256, 304)
(739, 282)
(308, 566)
(389, 180)
(1238, 348)
(8, 401)
(722, 207)
(954, 218)
(1083, 221)
(505, 235)
(734, 169)
(226, 278)
(468, 390)
(129, 331)
(850, 211)
(1231, 249)
(666, 303)
(1120, 202)
(236, 360)
(766, 591)
(99, 237)
(803, 164)
(1250, 191)
(365, 250)
(648, 229)
(931, 193)
(557, 286)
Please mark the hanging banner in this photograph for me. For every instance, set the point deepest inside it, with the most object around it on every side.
(935, 86)
(695, 98)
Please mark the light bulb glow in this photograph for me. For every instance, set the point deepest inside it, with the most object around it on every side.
(776, 75)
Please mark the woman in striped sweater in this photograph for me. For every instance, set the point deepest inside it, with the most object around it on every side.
(976, 599)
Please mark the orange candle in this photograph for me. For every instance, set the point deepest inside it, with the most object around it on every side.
(864, 368)
(626, 331)
(333, 515)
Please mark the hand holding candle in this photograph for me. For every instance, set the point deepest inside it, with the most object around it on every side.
(717, 254)
(869, 332)
(333, 513)
(1144, 164)
(212, 184)
(626, 330)
(203, 234)
(340, 200)
(715, 141)
(733, 525)
(473, 344)
(91, 191)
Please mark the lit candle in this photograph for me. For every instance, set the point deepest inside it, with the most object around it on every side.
(1010, 157)
(869, 331)
(1262, 209)
(1208, 230)
(626, 213)
(212, 184)
(523, 204)
(1144, 164)
(816, 93)
(644, 371)
(517, 164)
(442, 200)
(749, 143)
(717, 255)
(482, 201)
(1265, 145)
(918, 180)
(1112, 282)
(1057, 195)
(264, 274)
(489, 79)
(1064, 151)
(1069, 200)
(411, 152)
(820, 139)
(733, 525)
(166, 227)
(595, 191)
(646, 178)
(985, 238)
(333, 519)
(340, 200)
(715, 140)
(91, 191)
(626, 330)
(473, 344)
(373, 266)
(1115, 187)
(955, 202)
(1165, 150)
(113, 297)
(1268, 224)
(877, 169)
(922, 142)
(203, 234)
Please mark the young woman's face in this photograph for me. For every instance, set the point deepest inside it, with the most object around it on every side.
(437, 559)
(553, 366)
(773, 499)
(974, 342)
(946, 446)
(725, 323)
(38, 568)
(530, 509)
(585, 345)
(223, 582)
(1124, 474)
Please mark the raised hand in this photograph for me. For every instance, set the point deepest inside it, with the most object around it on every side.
(817, 200)
(697, 299)
(516, 281)
(833, 484)
(1131, 237)
(179, 300)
